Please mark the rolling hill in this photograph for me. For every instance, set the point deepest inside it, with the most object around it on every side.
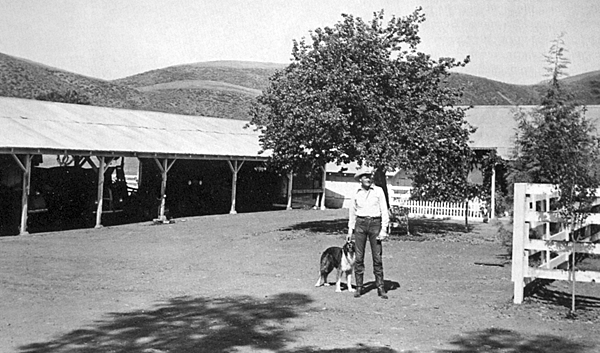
(226, 89)
(26, 79)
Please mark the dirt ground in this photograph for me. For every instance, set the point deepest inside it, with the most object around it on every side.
(239, 283)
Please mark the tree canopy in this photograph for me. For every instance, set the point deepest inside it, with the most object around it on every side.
(360, 91)
(556, 143)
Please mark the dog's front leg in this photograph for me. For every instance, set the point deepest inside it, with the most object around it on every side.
(349, 281)
(338, 282)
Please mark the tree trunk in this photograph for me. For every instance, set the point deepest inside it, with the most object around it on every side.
(381, 181)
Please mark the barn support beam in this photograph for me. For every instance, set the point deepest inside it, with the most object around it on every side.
(102, 168)
(89, 161)
(164, 166)
(26, 168)
(235, 168)
(493, 196)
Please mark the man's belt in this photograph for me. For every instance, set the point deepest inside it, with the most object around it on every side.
(368, 218)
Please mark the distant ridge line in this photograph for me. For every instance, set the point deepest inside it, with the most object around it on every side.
(237, 64)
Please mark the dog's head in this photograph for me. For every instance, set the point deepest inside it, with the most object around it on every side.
(349, 247)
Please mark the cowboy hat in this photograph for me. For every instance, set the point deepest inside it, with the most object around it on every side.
(360, 173)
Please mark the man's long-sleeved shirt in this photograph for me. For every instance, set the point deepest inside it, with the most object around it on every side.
(369, 203)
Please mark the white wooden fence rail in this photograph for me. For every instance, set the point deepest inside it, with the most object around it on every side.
(533, 216)
(399, 196)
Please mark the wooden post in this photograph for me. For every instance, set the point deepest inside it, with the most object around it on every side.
(234, 169)
(101, 170)
(164, 169)
(163, 191)
(323, 186)
(289, 191)
(26, 168)
(139, 173)
(520, 234)
(493, 196)
(546, 208)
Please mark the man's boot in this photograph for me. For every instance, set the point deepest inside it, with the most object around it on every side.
(359, 285)
(380, 287)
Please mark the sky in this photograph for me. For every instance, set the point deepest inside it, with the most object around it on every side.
(110, 39)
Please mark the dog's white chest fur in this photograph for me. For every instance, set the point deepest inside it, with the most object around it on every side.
(347, 262)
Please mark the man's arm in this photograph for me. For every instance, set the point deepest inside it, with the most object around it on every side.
(351, 216)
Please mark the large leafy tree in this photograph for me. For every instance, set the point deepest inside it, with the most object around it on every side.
(557, 144)
(360, 91)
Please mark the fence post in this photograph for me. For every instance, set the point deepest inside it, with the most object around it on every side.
(520, 233)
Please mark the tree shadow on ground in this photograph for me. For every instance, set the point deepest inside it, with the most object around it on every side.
(426, 226)
(326, 226)
(420, 228)
(499, 340)
(188, 324)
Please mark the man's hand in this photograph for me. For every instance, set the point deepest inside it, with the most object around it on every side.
(350, 233)
(382, 235)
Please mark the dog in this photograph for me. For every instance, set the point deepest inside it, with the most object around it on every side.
(341, 259)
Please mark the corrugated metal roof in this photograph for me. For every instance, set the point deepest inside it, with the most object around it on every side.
(31, 125)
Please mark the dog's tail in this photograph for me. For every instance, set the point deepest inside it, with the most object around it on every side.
(325, 268)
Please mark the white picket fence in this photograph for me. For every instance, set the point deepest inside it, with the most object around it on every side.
(533, 215)
(399, 196)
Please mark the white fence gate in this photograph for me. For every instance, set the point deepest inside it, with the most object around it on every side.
(533, 216)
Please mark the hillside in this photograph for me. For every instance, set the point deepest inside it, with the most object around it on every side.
(218, 88)
(482, 91)
(586, 87)
(222, 90)
(253, 75)
(25, 79)
(226, 89)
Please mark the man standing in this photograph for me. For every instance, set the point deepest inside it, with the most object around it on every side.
(368, 220)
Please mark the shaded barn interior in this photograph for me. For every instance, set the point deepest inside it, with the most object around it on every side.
(64, 197)
(197, 187)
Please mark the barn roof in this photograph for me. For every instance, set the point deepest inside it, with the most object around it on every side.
(39, 127)
(496, 126)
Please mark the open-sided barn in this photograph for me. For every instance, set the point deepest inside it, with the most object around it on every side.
(218, 158)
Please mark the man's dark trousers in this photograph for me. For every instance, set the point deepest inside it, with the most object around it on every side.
(368, 229)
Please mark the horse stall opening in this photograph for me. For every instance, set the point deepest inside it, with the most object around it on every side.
(202, 187)
(62, 194)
